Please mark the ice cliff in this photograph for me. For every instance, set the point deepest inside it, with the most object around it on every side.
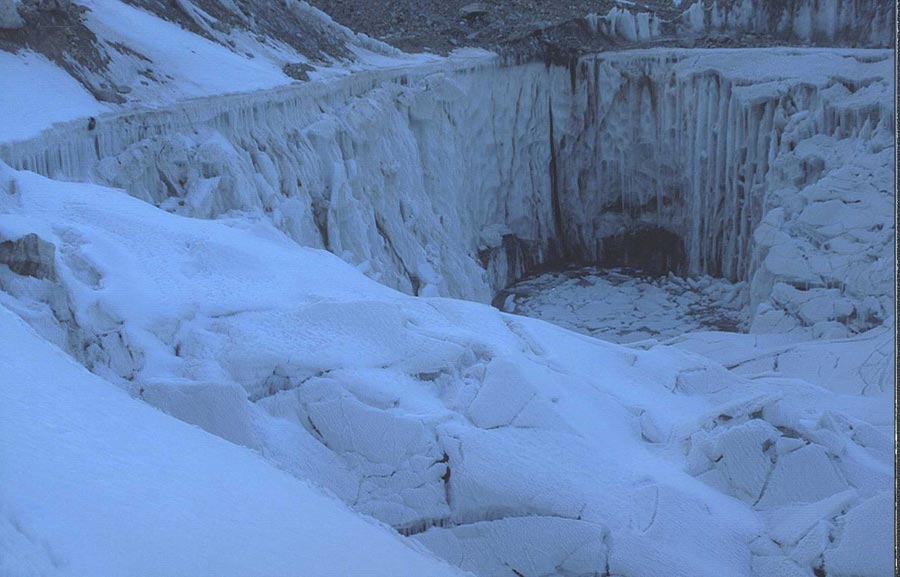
(400, 174)
(705, 145)
(862, 23)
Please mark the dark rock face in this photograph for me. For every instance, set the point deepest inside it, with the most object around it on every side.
(9, 16)
(29, 255)
(298, 70)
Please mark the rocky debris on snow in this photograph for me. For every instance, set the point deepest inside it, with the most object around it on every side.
(57, 29)
(546, 27)
(534, 27)
(123, 51)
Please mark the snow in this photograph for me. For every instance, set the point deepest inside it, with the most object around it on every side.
(35, 93)
(625, 306)
(190, 64)
(473, 431)
(95, 483)
(237, 272)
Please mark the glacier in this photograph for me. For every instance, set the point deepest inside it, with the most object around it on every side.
(828, 22)
(297, 275)
(467, 217)
(472, 431)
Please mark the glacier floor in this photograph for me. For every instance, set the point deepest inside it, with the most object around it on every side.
(625, 306)
(705, 316)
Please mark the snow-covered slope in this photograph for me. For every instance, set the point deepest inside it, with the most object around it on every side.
(130, 53)
(95, 483)
(481, 434)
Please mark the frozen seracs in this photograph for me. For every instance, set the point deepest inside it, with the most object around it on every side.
(824, 22)
(751, 168)
(866, 23)
(620, 22)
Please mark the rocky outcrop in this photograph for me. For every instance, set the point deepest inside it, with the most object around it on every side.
(9, 16)
(29, 255)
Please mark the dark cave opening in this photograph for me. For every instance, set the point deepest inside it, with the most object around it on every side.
(654, 250)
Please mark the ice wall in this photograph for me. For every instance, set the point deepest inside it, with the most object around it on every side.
(431, 179)
(707, 145)
(826, 22)
(454, 178)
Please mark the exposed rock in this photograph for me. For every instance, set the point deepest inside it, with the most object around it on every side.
(474, 10)
(298, 70)
(29, 255)
(9, 16)
(51, 5)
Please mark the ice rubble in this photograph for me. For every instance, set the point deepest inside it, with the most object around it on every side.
(91, 485)
(472, 431)
(627, 306)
